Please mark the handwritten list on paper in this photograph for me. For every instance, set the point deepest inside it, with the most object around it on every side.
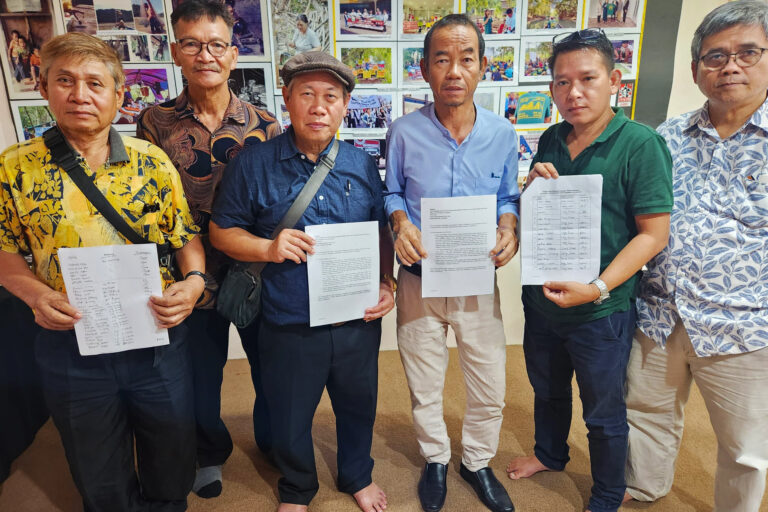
(111, 286)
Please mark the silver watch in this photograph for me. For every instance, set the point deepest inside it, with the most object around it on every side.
(604, 295)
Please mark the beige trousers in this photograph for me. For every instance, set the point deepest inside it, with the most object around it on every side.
(735, 391)
(422, 327)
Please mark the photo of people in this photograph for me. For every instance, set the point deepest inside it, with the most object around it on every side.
(139, 48)
(32, 118)
(144, 87)
(114, 15)
(249, 82)
(411, 65)
(624, 56)
(79, 16)
(158, 49)
(494, 17)
(148, 16)
(626, 91)
(298, 32)
(542, 16)
(248, 31)
(501, 64)
(534, 65)
(615, 15)
(529, 144)
(372, 66)
(531, 107)
(361, 18)
(24, 33)
(368, 112)
(420, 15)
(377, 148)
(413, 101)
(120, 45)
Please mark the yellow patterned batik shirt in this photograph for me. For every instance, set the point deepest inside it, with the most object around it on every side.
(42, 210)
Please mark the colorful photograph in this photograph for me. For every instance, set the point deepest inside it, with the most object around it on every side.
(413, 101)
(298, 27)
(494, 17)
(24, 33)
(548, 15)
(501, 64)
(372, 66)
(248, 31)
(79, 16)
(148, 16)
(139, 48)
(420, 15)
(32, 118)
(144, 87)
(531, 107)
(114, 15)
(369, 112)
(158, 49)
(411, 65)
(615, 15)
(377, 148)
(626, 90)
(624, 56)
(534, 65)
(529, 144)
(361, 18)
(282, 112)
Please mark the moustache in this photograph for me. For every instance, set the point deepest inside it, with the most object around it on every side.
(208, 68)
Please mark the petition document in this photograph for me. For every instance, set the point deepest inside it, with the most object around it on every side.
(344, 271)
(458, 234)
(560, 229)
(110, 286)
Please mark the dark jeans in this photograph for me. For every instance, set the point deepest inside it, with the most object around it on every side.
(100, 404)
(297, 363)
(598, 352)
(209, 344)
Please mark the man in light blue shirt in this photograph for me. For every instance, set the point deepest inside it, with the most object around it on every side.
(452, 148)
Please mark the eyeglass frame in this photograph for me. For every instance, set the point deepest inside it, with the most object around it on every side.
(202, 45)
(734, 55)
(595, 33)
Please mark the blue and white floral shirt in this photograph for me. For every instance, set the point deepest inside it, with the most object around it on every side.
(713, 274)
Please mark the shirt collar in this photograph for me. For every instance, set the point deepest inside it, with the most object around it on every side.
(117, 152)
(700, 119)
(288, 147)
(235, 110)
(447, 134)
(618, 120)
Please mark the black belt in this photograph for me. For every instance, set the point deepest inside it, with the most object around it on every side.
(414, 269)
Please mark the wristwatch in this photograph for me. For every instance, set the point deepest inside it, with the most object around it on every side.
(604, 295)
(391, 280)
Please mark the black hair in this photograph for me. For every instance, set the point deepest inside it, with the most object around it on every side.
(193, 10)
(303, 18)
(449, 21)
(587, 39)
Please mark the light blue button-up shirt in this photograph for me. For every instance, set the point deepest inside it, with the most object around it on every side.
(713, 274)
(423, 160)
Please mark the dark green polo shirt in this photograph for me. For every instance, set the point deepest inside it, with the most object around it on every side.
(637, 179)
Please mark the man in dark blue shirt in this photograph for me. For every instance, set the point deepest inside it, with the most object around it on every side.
(298, 361)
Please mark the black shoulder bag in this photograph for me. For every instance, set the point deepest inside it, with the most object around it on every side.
(239, 299)
(64, 156)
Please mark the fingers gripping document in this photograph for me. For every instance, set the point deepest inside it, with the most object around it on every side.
(110, 286)
(560, 229)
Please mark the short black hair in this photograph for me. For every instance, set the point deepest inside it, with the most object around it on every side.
(587, 39)
(193, 10)
(448, 21)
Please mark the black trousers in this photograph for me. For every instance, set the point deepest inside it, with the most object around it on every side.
(209, 344)
(297, 363)
(101, 404)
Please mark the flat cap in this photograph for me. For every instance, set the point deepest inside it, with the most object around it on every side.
(309, 62)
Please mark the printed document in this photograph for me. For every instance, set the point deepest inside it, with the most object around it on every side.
(110, 286)
(560, 229)
(344, 271)
(458, 234)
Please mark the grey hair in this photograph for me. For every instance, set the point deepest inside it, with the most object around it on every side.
(741, 12)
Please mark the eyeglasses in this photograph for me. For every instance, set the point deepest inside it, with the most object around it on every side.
(193, 47)
(744, 58)
(588, 34)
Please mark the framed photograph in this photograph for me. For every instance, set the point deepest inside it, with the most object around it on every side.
(31, 118)
(145, 86)
(252, 82)
(615, 15)
(495, 19)
(418, 16)
(371, 62)
(79, 16)
(410, 69)
(625, 95)
(369, 113)
(528, 107)
(488, 98)
(114, 17)
(282, 112)
(356, 19)
(149, 16)
(502, 66)
(23, 34)
(534, 55)
(625, 54)
(414, 100)
(542, 17)
(159, 49)
(376, 147)
(297, 32)
(528, 141)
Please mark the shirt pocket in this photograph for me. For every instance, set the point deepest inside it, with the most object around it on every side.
(753, 213)
(487, 186)
(358, 203)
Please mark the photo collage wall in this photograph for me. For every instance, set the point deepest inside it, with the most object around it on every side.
(382, 40)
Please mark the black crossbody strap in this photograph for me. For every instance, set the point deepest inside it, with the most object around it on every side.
(302, 200)
(63, 155)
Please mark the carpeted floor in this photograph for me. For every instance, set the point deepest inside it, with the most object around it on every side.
(40, 481)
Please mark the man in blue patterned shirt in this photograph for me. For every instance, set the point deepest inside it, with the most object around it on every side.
(703, 304)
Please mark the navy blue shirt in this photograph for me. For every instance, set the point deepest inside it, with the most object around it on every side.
(259, 186)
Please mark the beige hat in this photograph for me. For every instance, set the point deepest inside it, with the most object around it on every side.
(309, 62)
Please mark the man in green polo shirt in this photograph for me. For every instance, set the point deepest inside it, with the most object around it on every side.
(587, 328)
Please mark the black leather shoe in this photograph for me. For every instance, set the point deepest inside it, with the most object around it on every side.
(488, 489)
(432, 486)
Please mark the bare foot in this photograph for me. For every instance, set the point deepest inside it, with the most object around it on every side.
(523, 467)
(371, 499)
(627, 497)
(291, 507)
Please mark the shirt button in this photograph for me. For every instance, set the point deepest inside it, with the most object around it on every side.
(320, 198)
(303, 157)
